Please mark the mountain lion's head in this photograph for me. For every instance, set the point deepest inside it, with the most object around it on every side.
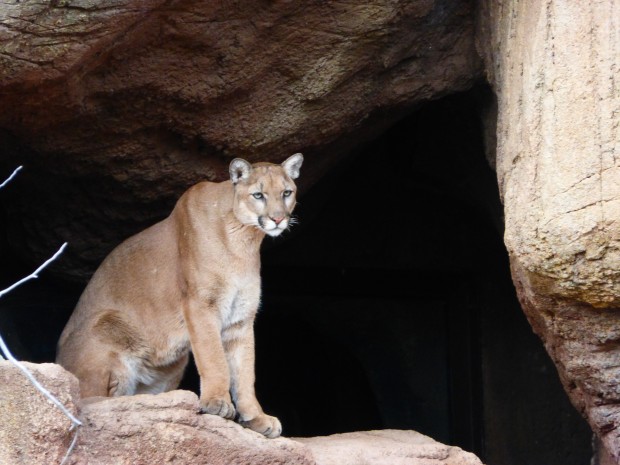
(265, 193)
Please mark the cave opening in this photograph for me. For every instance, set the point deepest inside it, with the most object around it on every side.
(389, 270)
(389, 306)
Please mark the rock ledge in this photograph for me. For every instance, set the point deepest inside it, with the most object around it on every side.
(166, 428)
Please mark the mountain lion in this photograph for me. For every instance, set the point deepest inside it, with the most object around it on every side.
(189, 282)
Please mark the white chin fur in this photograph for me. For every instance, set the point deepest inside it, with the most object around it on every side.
(274, 232)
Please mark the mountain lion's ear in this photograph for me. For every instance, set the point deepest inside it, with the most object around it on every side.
(239, 169)
(292, 164)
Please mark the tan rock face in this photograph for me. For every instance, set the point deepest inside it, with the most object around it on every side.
(557, 140)
(117, 108)
(553, 65)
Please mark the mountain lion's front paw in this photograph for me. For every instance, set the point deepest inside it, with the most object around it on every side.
(218, 406)
(264, 424)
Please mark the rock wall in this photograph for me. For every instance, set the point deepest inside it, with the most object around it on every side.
(553, 65)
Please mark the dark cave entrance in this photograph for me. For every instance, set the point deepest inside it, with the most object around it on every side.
(389, 306)
(388, 273)
(372, 351)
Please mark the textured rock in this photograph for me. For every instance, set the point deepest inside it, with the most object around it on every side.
(554, 68)
(125, 430)
(167, 428)
(33, 429)
(116, 108)
(385, 447)
(554, 71)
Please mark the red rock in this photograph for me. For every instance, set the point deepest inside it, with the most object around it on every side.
(33, 430)
(167, 428)
(385, 447)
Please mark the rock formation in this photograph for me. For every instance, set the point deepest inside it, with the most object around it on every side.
(393, 447)
(167, 428)
(33, 429)
(553, 66)
(117, 107)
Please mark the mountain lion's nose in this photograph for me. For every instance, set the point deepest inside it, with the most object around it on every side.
(277, 220)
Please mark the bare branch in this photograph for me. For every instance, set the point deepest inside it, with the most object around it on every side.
(7, 353)
(35, 274)
(45, 392)
(11, 177)
(73, 443)
(9, 356)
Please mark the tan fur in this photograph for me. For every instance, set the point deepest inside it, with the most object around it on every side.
(190, 282)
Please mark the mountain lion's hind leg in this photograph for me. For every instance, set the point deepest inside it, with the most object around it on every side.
(105, 375)
(110, 366)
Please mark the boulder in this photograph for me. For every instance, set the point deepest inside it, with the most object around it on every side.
(33, 429)
(143, 429)
(167, 428)
(385, 447)
(553, 67)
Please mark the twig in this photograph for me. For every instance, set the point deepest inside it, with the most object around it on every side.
(35, 274)
(33, 380)
(10, 177)
(7, 353)
(73, 443)
(75, 423)
(10, 357)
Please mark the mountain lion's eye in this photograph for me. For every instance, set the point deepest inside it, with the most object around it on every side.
(258, 195)
(287, 193)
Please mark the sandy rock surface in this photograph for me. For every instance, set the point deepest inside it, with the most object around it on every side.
(385, 447)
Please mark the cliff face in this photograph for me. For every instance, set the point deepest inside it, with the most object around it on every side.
(553, 67)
